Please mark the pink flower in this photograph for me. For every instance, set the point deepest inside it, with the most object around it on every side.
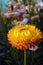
(37, 5)
(7, 15)
(26, 15)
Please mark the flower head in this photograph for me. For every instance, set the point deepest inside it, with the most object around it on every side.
(24, 36)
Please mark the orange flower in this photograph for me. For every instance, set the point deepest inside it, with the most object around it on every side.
(24, 36)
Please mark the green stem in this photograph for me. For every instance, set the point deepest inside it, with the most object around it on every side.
(24, 57)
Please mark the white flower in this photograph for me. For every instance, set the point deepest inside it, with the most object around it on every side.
(33, 48)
